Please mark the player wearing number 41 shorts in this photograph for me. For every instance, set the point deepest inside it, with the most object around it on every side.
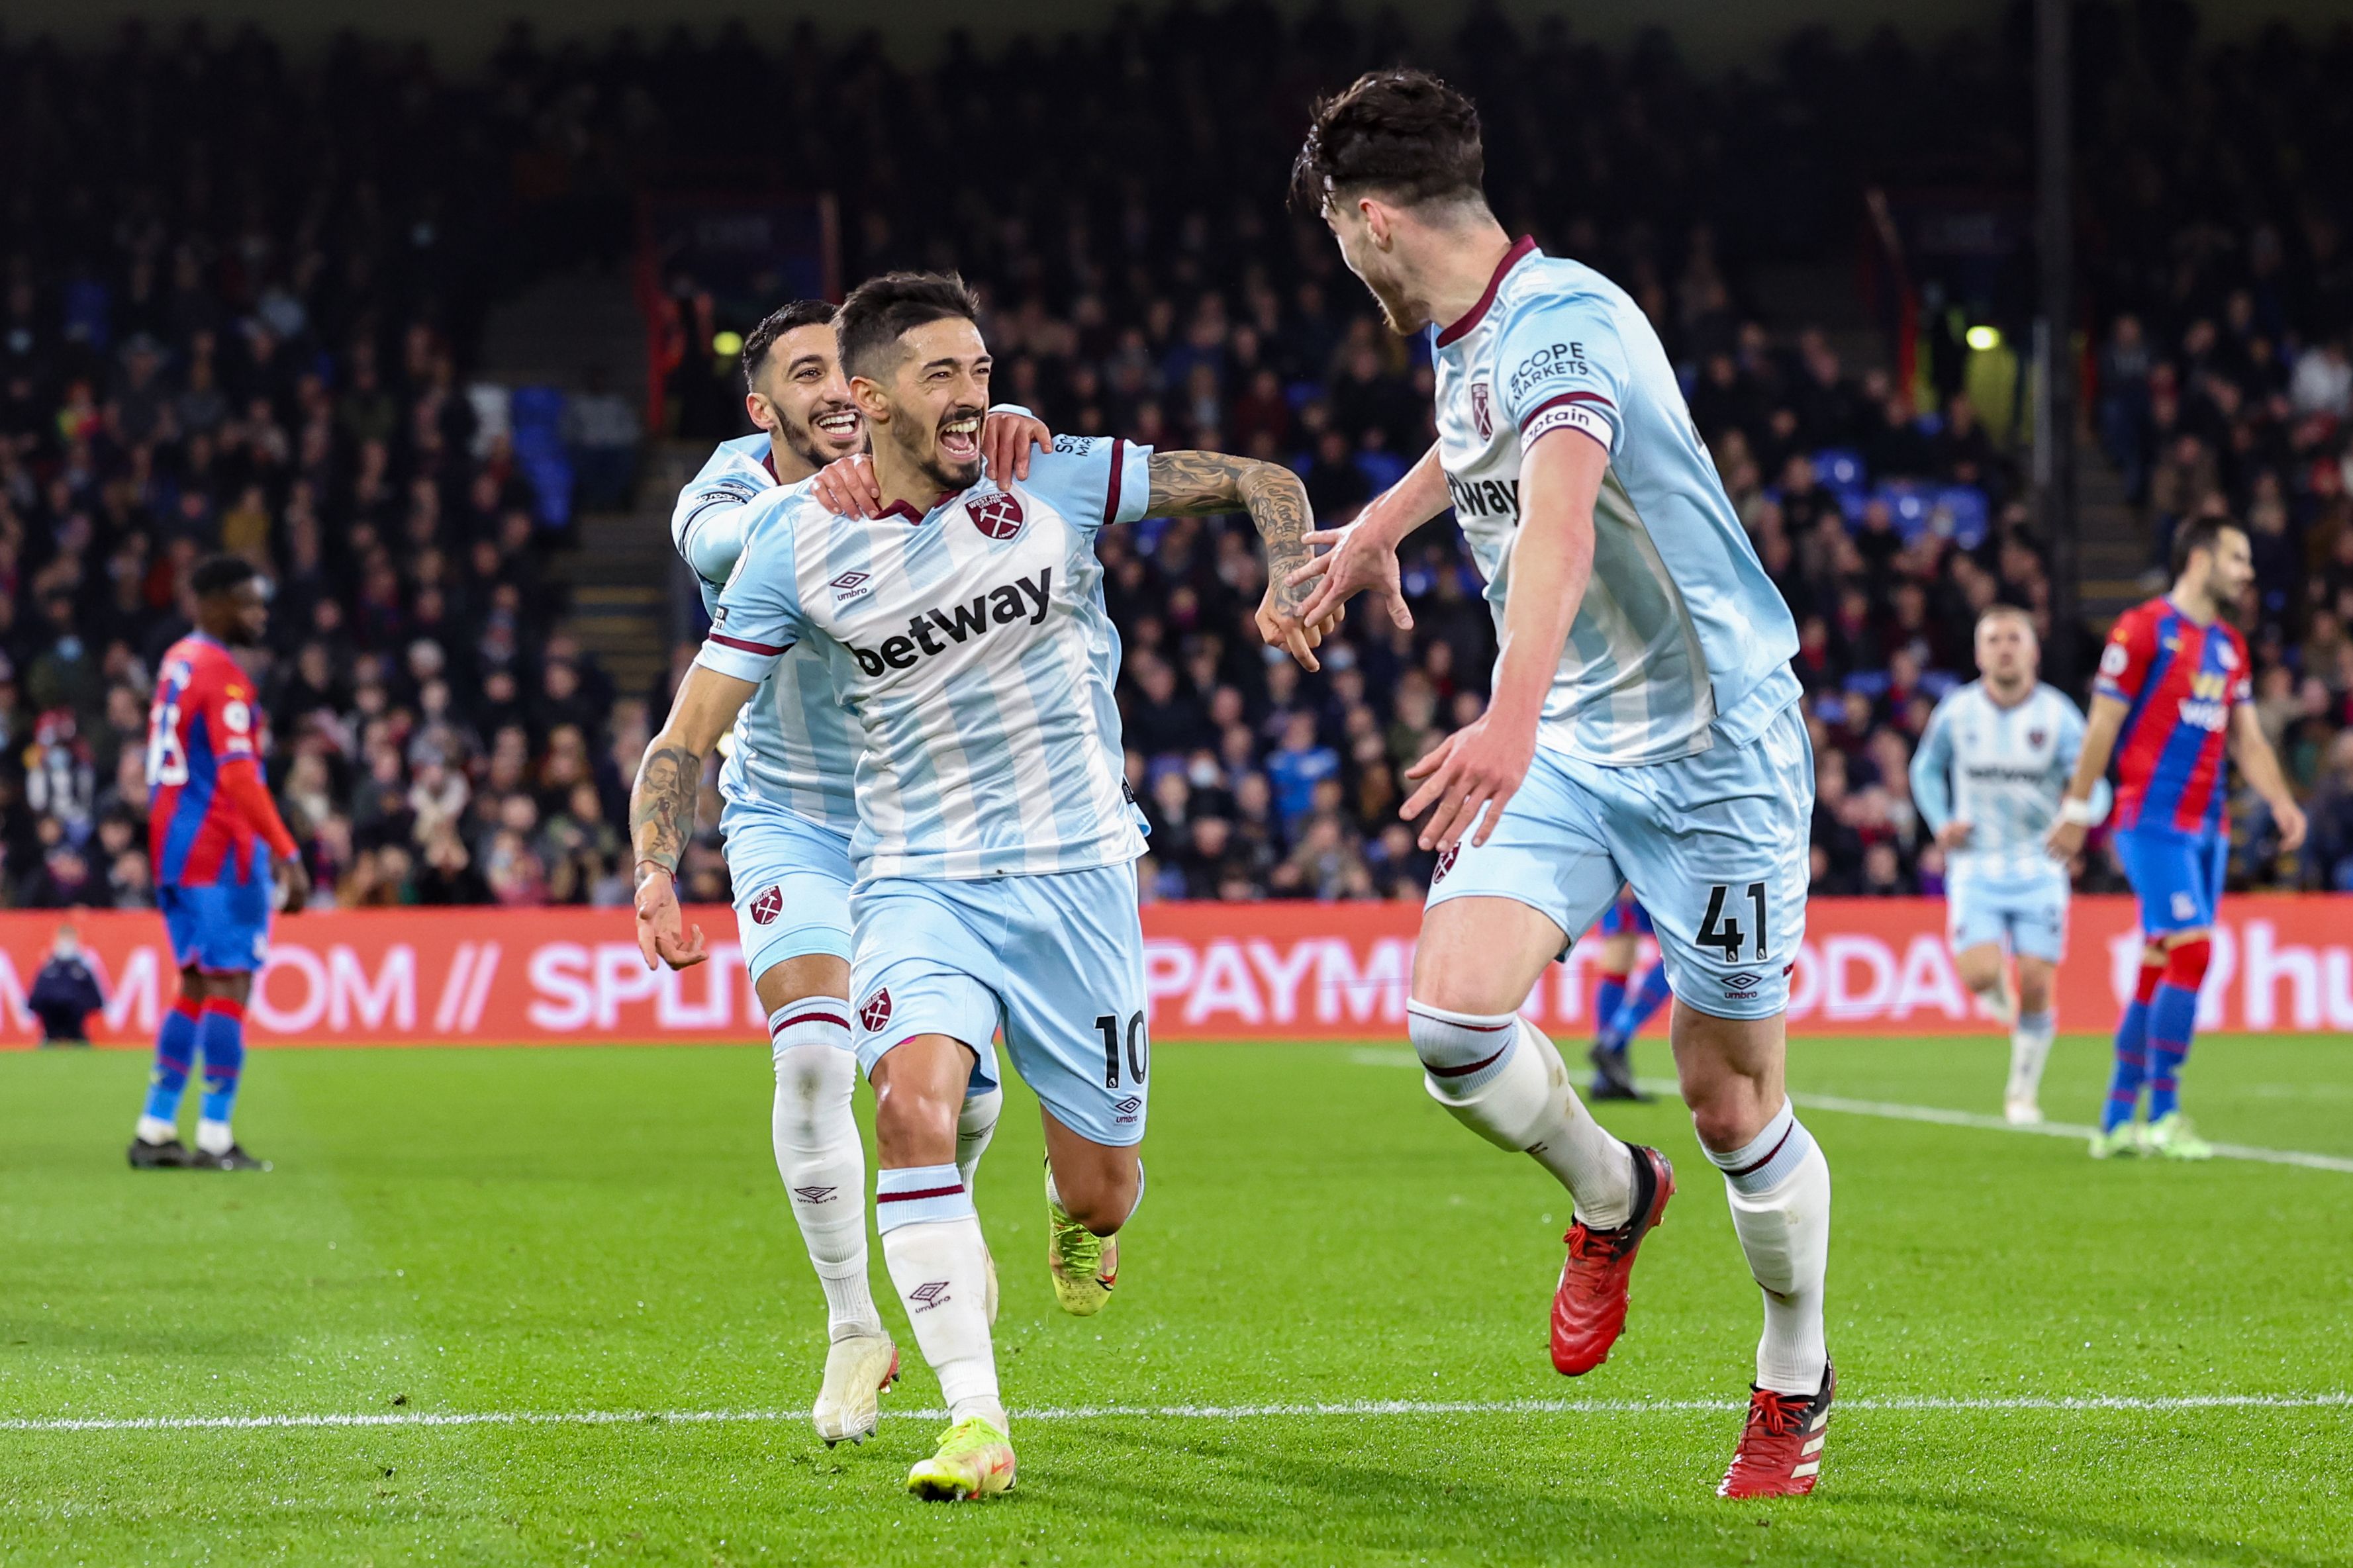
(1644, 731)
(961, 628)
(787, 823)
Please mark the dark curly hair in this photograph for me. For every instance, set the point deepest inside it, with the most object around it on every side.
(881, 311)
(1402, 134)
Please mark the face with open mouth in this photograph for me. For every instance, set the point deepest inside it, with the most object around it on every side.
(938, 395)
(809, 398)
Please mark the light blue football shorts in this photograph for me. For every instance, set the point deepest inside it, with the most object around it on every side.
(792, 884)
(1715, 846)
(1056, 961)
(2028, 913)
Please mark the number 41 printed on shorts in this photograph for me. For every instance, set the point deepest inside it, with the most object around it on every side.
(1716, 930)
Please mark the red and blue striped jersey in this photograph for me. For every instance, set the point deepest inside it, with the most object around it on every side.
(2179, 680)
(201, 827)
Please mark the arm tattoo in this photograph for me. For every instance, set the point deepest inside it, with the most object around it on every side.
(1201, 484)
(661, 805)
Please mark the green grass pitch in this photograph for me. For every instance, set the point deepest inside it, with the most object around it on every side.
(554, 1232)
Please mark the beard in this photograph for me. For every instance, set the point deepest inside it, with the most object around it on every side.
(803, 441)
(949, 474)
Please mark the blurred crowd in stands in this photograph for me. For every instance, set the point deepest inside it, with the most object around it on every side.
(244, 301)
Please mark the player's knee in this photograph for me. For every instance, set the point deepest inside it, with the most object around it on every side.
(2186, 960)
(912, 1126)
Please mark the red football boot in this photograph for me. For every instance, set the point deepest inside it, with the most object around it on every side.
(1589, 1309)
(1780, 1452)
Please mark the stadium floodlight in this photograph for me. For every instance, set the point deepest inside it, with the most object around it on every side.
(1984, 340)
(727, 345)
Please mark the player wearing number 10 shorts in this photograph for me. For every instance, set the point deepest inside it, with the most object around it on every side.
(1644, 730)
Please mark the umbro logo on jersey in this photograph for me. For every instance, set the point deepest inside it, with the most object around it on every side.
(997, 516)
(767, 906)
(875, 1011)
(852, 585)
(1126, 1106)
(2035, 738)
(1022, 599)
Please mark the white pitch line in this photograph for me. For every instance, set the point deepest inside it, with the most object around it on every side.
(1377, 1057)
(1361, 1407)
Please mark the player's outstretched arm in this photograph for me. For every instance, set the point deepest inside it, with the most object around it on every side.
(661, 808)
(1484, 763)
(1203, 484)
(1362, 557)
(2077, 810)
(2260, 764)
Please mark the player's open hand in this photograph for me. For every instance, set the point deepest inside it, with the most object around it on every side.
(1005, 442)
(661, 936)
(848, 488)
(2065, 841)
(2290, 817)
(293, 889)
(1353, 562)
(1482, 764)
(1954, 836)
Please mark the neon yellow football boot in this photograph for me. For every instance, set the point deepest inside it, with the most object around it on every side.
(974, 1461)
(2172, 1137)
(1086, 1266)
(2123, 1143)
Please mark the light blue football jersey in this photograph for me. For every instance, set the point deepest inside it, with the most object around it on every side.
(1682, 639)
(792, 745)
(2003, 770)
(970, 650)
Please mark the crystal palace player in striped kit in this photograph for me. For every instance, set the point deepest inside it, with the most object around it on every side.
(786, 823)
(221, 855)
(2173, 697)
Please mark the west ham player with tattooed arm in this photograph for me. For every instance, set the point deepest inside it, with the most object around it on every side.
(963, 632)
(2173, 697)
(786, 823)
(1644, 731)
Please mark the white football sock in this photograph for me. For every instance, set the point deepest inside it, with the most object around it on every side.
(1499, 1075)
(155, 1130)
(1780, 1189)
(938, 1261)
(818, 1154)
(2029, 1047)
(213, 1137)
(976, 1125)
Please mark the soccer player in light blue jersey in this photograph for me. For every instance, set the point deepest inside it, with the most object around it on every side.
(1644, 731)
(786, 825)
(961, 630)
(1988, 779)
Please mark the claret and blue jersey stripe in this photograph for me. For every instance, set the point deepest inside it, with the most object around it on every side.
(2179, 681)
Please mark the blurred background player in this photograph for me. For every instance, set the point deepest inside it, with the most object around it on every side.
(2173, 684)
(222, 858)
(1620, 1011)
(1645, 732)
(1992, 764)
(787, 823)
(65, 993)
(995, 842)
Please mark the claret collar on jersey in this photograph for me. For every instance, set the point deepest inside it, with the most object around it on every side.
(1519, 252)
